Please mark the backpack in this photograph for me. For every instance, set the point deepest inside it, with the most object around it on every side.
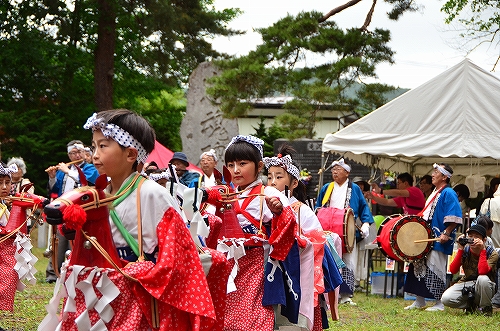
(487, 213)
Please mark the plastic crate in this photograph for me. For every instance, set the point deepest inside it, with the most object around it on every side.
(377, 282)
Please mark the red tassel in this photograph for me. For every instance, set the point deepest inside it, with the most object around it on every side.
(75, 217)
(214, 196)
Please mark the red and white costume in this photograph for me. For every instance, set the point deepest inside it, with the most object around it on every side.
(177, 281)
(244, 309)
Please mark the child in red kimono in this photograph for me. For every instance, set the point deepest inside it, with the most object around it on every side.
(267, 227)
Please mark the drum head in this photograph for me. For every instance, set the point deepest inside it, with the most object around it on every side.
(349, 230)
(403, 236)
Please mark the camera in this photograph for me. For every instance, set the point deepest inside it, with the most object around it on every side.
(465, 240)
(470, 293)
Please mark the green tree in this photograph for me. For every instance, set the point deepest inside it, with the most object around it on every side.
(63, 60)
(164, 110)
(268, 135)
(480, 18)
(273, 68)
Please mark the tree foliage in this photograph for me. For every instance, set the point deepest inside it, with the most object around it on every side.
(164, 110)
(48, 68)
(480, 18)
(275, 67)
(268, 135)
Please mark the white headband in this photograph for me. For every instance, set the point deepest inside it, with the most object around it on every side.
(256, 142)
(77, 146)
(157, 176)
(121, 136)
(8, 171)
(284, 162)
(342, 164)
(210, 153)
(442, 170)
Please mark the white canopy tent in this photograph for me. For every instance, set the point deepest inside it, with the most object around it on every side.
(453, 118)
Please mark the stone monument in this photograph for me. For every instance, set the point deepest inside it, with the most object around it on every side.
(203, 127)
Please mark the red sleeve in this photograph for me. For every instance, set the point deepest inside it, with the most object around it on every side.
(177, 279)
(215, 225)
(283, 234)
(400, 201)
(457, 262)
(483, 268)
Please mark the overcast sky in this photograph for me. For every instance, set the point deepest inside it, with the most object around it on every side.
(425, 46)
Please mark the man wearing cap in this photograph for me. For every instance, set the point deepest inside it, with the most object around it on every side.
(477, 286)
(180, 161)
(343, 194)
(426, 278)
(64, 178)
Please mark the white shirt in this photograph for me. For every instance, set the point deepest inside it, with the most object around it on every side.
(308, 219)
(428, 205)
(339, 194)
(155, 201)
(70, 179)
(208, 181)
(494, 206)
(254, 206)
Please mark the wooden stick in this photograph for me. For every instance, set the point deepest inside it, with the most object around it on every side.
(426, 240)
(69, 163)
(74, 162)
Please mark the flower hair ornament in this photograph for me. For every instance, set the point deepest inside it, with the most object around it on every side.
(8, 171)
(284, 162)
(121, 136)
(157, 176)
(256, 142)
(210, 153)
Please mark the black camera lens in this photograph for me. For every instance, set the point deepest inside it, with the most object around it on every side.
(465, 240)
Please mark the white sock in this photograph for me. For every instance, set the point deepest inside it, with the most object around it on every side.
(439, 303)
(420, 301)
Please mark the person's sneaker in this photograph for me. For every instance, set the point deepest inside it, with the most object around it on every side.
(348, 301)
(469, 311)
(414, 305)
(485, 311)
(435, 308)
(359, 288)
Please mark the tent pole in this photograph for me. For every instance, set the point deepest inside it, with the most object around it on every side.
(320, 172)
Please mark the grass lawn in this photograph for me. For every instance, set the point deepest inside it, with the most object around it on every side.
(373, 312)
(29, 305)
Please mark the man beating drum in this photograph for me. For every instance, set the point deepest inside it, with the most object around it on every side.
(426, 278)
(342, 194)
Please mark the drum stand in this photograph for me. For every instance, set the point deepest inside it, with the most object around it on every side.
(369, 251)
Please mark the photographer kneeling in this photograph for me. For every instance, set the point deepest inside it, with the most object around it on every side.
(477, 286)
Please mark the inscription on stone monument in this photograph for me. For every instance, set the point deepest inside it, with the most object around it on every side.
(203, 126)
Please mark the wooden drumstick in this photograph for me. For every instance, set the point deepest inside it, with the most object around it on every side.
(69, 163)
(426, 240)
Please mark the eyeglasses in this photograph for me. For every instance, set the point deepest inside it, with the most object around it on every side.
(74, 153)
